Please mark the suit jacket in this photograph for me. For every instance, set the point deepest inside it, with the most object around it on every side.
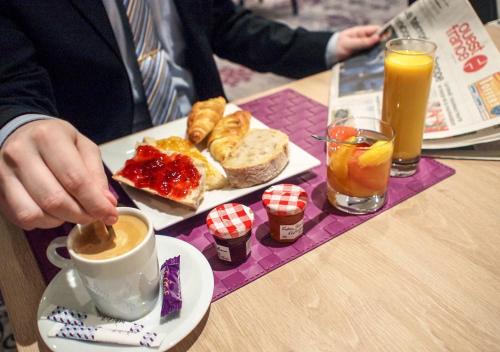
(60, 57)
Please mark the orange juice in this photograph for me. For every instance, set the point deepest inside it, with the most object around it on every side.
(407, 81)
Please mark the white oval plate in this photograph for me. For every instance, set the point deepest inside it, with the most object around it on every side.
(197, 285)
(163, 212)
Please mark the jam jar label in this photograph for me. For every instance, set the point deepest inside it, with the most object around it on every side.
(223, 253)
(291, 232)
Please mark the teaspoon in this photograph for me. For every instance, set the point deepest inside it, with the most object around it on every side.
(358, 140)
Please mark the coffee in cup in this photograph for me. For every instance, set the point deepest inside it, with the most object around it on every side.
(91, 243)
(120, 272)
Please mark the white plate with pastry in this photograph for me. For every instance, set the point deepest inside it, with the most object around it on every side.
(165, 212)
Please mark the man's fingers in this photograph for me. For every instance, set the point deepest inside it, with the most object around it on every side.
(366, 42)
(362, 31)
(59, 152)
(91, 157)
(45, 180)
(360, 41)
(369, 30)
(47, 192)
(19, 207)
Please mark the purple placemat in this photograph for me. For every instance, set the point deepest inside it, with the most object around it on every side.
(299, 117)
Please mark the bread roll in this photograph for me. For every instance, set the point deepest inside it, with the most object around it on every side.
(261, 156)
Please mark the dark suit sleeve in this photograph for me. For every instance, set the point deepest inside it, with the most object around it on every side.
(263, 45)
(24, 85)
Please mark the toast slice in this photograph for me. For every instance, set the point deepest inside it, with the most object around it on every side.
(261, 156)
(181, 187)
(214, 179)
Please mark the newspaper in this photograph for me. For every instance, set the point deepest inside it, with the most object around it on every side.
(464, 103)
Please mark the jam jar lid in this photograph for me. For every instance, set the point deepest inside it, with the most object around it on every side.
(285, 199)
(230, 220)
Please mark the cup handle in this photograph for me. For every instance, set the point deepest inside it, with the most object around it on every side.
(54, 257)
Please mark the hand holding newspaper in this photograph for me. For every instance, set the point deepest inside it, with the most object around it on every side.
(464, 103)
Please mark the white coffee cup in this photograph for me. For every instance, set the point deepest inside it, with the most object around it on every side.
(124, 287)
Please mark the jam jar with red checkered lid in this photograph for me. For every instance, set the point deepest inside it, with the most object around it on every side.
(285, 205)
(231, 226)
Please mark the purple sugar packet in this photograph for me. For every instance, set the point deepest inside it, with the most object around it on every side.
(171, 286)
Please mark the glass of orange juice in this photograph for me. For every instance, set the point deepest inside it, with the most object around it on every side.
(408, 66)
(359, 155)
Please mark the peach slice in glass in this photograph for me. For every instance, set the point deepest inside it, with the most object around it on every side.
(378, 153)
(340, 158)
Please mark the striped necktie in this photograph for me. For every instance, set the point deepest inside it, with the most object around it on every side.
(153, 63)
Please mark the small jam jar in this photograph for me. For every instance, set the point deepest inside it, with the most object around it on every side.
(231, 225)
(285, 206)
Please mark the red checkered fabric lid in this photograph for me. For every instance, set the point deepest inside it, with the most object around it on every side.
(230, 220)
(285, 199)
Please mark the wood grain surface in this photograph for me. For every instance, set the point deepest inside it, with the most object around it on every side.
(422, 276)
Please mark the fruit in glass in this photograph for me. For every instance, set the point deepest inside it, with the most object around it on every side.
(358, 165)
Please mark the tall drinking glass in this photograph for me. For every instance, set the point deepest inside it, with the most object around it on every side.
(408, 69)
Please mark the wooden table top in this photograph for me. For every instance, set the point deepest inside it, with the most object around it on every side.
(424, 275)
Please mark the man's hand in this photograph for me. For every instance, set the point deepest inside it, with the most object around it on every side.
(355, 39)
(49, 174)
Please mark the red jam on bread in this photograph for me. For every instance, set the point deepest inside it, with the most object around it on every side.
(170, 175)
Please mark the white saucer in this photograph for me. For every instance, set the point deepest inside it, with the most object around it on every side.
(197, 285)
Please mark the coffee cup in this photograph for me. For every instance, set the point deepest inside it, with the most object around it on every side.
(121, 273)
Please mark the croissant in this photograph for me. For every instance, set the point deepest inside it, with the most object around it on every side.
(203, 118)
(228, 133)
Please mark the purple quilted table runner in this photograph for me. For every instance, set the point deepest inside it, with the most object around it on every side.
(299, 117)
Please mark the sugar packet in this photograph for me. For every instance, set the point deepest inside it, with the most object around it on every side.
(66, 316)
(99, 334)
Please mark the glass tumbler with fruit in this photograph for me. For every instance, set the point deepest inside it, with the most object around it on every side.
(359, 154)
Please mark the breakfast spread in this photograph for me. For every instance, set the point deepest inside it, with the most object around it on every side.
(174, 176)
(285, 204)
(175, 168)
(217, 153)
(203, 118)
(261, 156)
(231, 225)
(228, 133)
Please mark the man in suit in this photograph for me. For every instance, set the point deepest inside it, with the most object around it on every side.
(103, 69)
